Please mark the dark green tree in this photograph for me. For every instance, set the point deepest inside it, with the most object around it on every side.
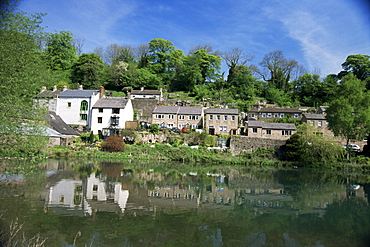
(309, 90)
(89, 71)
(359, 65)
(60, 51)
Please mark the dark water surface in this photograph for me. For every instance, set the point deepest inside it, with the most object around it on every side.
(73, 203)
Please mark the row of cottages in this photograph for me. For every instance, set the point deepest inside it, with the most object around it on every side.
(270, 113)
(216, 121)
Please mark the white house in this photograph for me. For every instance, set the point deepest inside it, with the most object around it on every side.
(74, 106)
(109, 115)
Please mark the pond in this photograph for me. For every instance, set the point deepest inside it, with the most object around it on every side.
(84, 203)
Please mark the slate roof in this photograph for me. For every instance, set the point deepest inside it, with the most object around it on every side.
(111, 102)
(78, 93)
(146, 92)
(48, 94)
(222, 111)
(315, 116)
(57, 123)
(275, 109)
(178, 110)
(267, 125)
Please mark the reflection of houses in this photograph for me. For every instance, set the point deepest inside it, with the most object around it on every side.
(221, 121)
(87, 197)
(109, 115)
(280, 131)
(177, 116)
(67, 133)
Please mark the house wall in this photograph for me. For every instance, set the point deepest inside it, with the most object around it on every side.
(320, 125)
(125, 114)
(177, 120)
(273, 115)
(239, 144)
(71, 115)
(49, 103)
(219, 125)
(275, 134)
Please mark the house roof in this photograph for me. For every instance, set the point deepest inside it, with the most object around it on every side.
(315, 116)
(78, 93)
(275, 109)
(57, 123)
(48, 94)
(222, 111)
(267, 125)
(178, 110)
(111, 102)
(146, 92)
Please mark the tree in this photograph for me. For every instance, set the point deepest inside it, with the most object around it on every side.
(359, 65)
(349, 113)
(234, 58)
(60, 51)
(88, 71)
(309, 90)
(22, 73)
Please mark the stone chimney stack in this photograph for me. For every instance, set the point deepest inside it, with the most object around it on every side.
(142, 89)
(129, 95)
(43, 89)
(101, 92)
(55, 88)
(64, 88)
(80, 87)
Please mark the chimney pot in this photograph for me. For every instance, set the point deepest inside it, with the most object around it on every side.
(64, 88)
(80, 87)
(55, 88)
(43, 89)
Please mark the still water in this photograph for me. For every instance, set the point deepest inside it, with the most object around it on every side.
(74, 203)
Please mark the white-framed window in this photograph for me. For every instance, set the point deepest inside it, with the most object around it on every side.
(69, 104)
(232, 118)
(170, 126)
(225, 117)
(319, 123)
(282, 115)
(312, 123)
(286, 132)
(327, 124)
(210, 117)
(218, 117)
(276, 115)
(170, 116)
(194, 126)
(255, 130)
(223, 128)
(263, 114)
(100, 110)
(181, 117)
(252, 115)
(159, 116)
(100, 120)
(296, 115)
(193, 117)
(268, 132)
(269, 114)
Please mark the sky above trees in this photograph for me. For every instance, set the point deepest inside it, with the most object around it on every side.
(318, 34)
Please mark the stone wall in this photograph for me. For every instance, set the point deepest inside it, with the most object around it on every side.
(239, 144)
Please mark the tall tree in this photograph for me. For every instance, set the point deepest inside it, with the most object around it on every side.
(234, 58)
(359, 65)
(309, 90)
(60, 50)
(88, 71)
(349, 113)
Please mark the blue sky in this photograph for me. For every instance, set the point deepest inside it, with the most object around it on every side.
(319, 34)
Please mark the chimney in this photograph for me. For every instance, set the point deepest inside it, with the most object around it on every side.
(64, 88)
(43, 89)
(101, 92)
(55, 88)
(142, 89)
(80, 87)
(128, 95)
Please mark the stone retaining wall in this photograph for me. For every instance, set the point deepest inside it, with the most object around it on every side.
(239, 144)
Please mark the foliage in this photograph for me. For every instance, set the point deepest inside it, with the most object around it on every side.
(88, 71)
(359, 65)
(60, 52)
(154, 128)
(113, 144)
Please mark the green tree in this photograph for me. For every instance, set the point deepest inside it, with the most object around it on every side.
(349, 113)
(60, 51)
(308, 90)
(359, 65)
(22, 73)
(88, 71)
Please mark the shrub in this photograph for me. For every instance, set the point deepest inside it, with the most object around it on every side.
(113, 144)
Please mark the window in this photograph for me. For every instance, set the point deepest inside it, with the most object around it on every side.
(69, 104)
(61, 199)
(210, 117)
(286, 132)
(83, 117)
(100, 119)
(269, 114)
(95, 187)
(319, 123)
(194, 126)
(268, 132)
(159, 116)
(225, 118)
(114, 120)
(170, 116)
(252, 115)
(276, 115)
(218, 117)
(281, 115)
(84, 105)
(100, 110)
(263, 114)
(312, 123)
(232, 118)
(255, 130)
(115, 111)
(296, 115)
(181, 117)
(193, 117)
(223, 128)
